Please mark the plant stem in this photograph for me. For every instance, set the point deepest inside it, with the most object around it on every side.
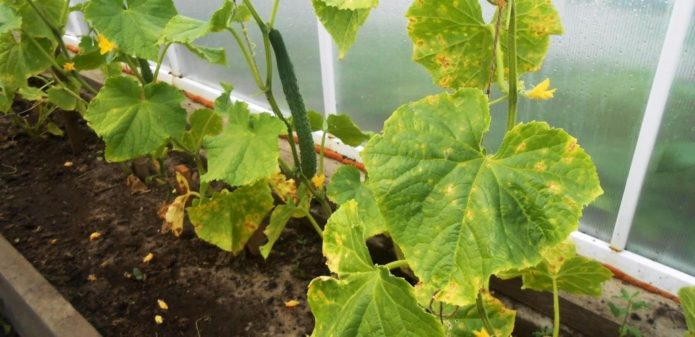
(314, 223)
(396, 264)
(323, 153)
(160, 60)
(273, 14)
(480, 306)
(250, 61)
(511, 115)
(556, 310)
(52, 28)
(133, 68)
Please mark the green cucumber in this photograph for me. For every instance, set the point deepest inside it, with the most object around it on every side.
(296, 103)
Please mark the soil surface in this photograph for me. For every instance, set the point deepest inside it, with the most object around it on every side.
(54, 200)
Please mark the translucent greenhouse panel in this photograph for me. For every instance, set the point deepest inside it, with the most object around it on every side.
(664, 225)
(377, 74)
(603, 68)
(295, 21)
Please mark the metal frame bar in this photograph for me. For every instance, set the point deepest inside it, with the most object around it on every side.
(327, 70)
(666, 69)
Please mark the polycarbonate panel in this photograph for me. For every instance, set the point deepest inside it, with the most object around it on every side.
(296, 22)
(603, 67)
(664, 225)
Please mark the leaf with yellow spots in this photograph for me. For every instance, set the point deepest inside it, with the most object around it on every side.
(452, 40)
(572, 273)
(536, 20)
(466, 322)
(351, 4)
(460, 214)
(369, 304)
(346, 185)
(229, 219)
(344, 242)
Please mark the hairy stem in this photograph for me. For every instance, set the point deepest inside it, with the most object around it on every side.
(480, 306)
(160, 61)
(250, 61)
(556, 310)
(396, 264)
(513, 92)
(273, 14)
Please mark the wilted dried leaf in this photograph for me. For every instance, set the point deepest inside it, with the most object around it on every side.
(292, 303)
(136, 185)
(68, 164)
(162, 305)
(175, 215)
(182, 180)
(53, 241)
(148, 258)
(94, 236)
(283, 187)
(91, 278)
(158, 319)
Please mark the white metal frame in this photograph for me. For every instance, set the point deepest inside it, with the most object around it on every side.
(651, 123)
(611, 253)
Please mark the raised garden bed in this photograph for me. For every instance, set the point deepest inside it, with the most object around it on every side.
(50, 210)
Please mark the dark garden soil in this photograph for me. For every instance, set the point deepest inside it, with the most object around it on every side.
(49, 209)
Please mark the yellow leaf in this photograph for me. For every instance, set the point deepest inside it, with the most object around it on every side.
(283, 187)
(318, 180)
(94, 236)
(148, 258)
(162, 305)
(541, 91)
(175, 214)
(292, 303)
(158, 319)
(481, 333)
(69, 66)
(105, 45)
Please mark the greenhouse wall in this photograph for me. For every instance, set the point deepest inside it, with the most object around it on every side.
(625, 73)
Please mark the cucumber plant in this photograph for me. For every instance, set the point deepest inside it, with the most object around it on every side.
(457, 214)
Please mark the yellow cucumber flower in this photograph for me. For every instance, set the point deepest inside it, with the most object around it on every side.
(318, 180)
(105, 46)
(69, 66)
(541, 91)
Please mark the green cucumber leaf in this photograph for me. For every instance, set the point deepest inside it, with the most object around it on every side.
(212, 55)
(536, 21)
(32, 93)
(219, 20)
(6, 99)
(203, 122)
(135, 29)
(466, 321)
(135, 121)
(245, 152)
(345, 129)
(346, 185)
(53, 129)
(342, 24)
(21, 59)
(577, 275)
(9, 19)
(459, 214)
(278, 219)
(183, 29)
(89, 56)
(452, 41)
(344, 242)
(315, 120)
(351, 4)
(62, 98)
(687, 298)
(53, 11)
(229, 219)
(368, 304)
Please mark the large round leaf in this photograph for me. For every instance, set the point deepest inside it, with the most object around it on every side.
(460, 215)
(342, 24)
(135, 27)
(52, 10)
(368, 304)
(20, 58)
(135, 121)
